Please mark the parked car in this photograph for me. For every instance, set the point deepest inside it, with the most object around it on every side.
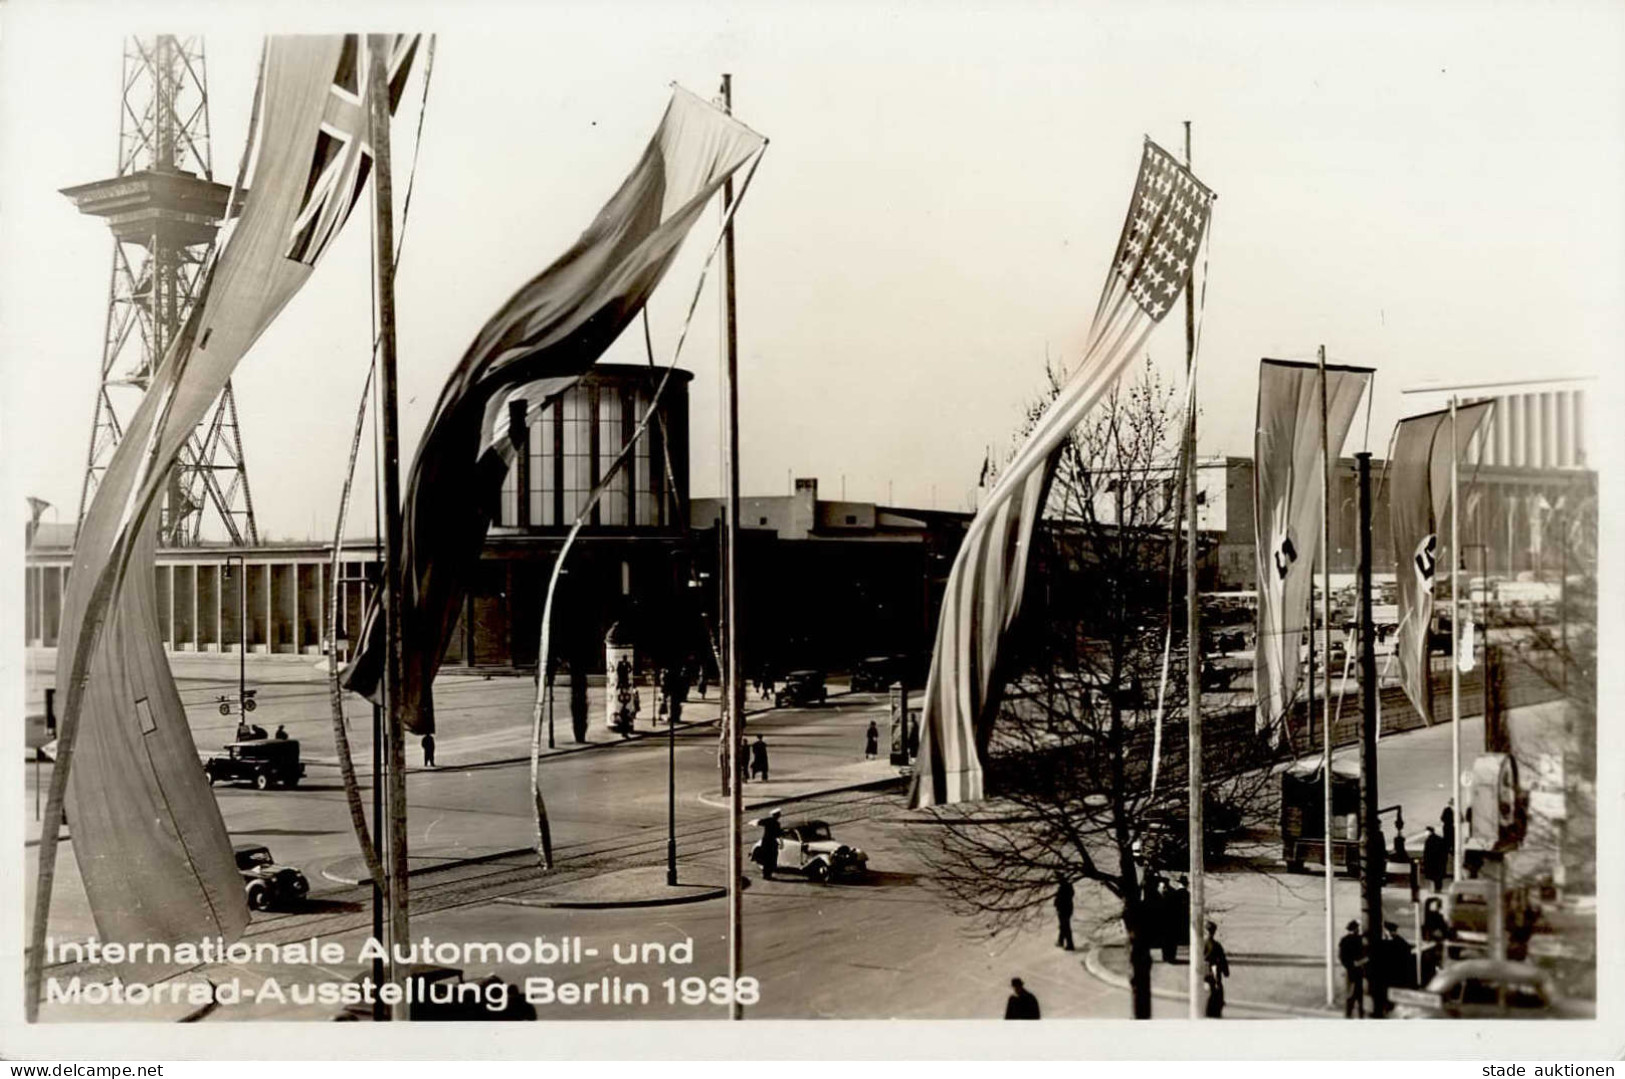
(264, 762)
(1467, 909)
(438, 997)
(1163, 839)
(877, 673)
(807, 847)
(1488, 989)
(801, 688)
(268, 884)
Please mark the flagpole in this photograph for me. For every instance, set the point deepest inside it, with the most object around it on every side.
(734, 698)
(1326, 651)
(1455, 647)
(1193, 665)
(384, 255)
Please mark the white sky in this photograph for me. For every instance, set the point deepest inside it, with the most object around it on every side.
(1434, 190)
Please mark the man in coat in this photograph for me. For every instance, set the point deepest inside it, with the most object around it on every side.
(1022, 1004)
(1218, 969)
(1433, 859)
(1063, 913)
(1351, 953)
(771, 831)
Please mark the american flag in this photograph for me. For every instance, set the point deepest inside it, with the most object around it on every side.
(343, 157)
(1162, 233)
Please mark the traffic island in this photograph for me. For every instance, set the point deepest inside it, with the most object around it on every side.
(641, 886)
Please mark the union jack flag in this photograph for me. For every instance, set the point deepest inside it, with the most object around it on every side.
(342, 160)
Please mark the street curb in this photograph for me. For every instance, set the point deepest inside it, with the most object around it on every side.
(639, 736)
(450, 863)
(715, 801)
(711, 892)
(1092, 963)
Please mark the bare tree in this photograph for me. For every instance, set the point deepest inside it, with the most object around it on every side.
(1069, 762)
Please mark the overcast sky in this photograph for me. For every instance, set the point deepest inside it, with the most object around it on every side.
(1434, 190)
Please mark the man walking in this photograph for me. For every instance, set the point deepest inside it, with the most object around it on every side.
(871, 742)
(1063, 913)
(758, 758)
(1447, 826)
(1433, 859)
(1351, 953)
(771, 831)
(428, 751)
(1022, 1004)
(1218, 969)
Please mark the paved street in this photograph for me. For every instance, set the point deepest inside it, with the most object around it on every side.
(852, 951)
(886, 947)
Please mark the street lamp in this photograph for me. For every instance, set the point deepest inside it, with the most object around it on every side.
(242, 631)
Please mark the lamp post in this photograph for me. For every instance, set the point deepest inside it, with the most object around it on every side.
(242, 629)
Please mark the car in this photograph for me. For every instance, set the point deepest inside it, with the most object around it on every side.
(1467, 909)
(264, 762)
(1488, 989)
(877, 673)
(801, 688)
(441, 995)
(807, 847)
(268, 884)
(1163, 835)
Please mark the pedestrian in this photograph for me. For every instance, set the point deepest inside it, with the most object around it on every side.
(701, 686)
(1022, 1004)
(1218, 969)
(1433, 859)
(1447, 828)
(281, 733)
(1177, 919)
(1063, 913)
(1400, 855)
(1166, 922)
(871, 742)
(1399, 959)
(758, 758)
(771, 830)
(428, 751)
(1351, 953)
(1435, 934)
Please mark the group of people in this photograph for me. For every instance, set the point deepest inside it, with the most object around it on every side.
(1168, 912)
(253, 732)
(1396, 964)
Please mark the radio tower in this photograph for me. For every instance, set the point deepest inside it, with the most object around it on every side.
(164, 209)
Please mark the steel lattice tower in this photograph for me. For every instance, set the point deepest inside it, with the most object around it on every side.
(164, 209)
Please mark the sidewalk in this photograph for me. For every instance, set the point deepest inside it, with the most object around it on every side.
(1272, 923)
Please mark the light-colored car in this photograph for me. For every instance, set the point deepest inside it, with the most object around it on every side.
(807, 847)
(1488, 989)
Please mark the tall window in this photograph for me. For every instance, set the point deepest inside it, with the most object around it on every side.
(541, 467)
(577, 452)
(611, 437)
(642, 462)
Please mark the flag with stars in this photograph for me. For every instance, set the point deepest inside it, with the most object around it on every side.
(1156, 252)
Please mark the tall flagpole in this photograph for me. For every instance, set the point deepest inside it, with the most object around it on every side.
(384, 255)
(1455, 647)
(733, 695)
(1326, 652)
(1193, 664)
